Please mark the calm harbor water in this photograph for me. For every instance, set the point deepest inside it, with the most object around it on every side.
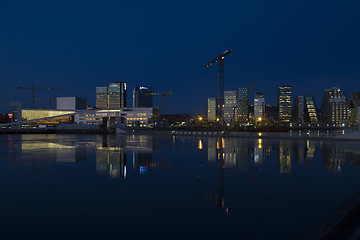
(138, 186)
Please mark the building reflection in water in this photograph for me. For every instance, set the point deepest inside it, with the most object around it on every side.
(338, 154)
(284, 157)
(116, 151)
(259, 153)
(304, 152)
(52, 149)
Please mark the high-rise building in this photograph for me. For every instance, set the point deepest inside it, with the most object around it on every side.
(354, 105)
(230, 104)
(299, 109)
(117, 95)
(102, 97)
(310, 112)
(242, 105)
(259, 107)
(284, 104)
(211, 107)
(142, 96)
(334, 107)
(113, 96)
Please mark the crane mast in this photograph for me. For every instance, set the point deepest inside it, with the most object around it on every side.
(220, 58)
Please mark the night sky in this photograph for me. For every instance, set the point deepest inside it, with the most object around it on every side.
(310, 45)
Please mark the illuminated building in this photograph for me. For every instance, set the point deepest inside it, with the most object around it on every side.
(242, 105)
(111, 97)
(334, 107)
(284, 104)
(299, 109)
(129, 116)
(230, 104)
(354, 105)
(259, 107)
(70, 103)
(102, 97)
(211, 107)
(142, 96)
(117, 95)
(310, 112)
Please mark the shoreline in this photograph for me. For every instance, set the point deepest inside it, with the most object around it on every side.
(355, 136)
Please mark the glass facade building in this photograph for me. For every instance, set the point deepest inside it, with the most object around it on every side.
(211, 107)
(102, 97)
(334, 107)
(117, 95)
(259, 107)
(284, 104)
(299, 109)
(310, 112)
(242, 105)
(111, 97)
(142, 96)
(229, 108)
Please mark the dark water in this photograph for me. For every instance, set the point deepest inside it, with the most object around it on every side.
(140, 187)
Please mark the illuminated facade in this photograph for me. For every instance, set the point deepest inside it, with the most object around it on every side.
(230, 104)
(46, 116)
(102, 100)
(242, 105)
(211, 107)
(284, 104)
(129, 116)
(310, 112)
(299, 109)
(117, 95)
(259, 107)
(142, 96)
(111, 97)
(334, 107)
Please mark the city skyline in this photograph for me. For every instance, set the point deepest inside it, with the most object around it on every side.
(72, 45)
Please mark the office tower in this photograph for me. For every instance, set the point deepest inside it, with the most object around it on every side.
(284, 104)
(101, 97)
(334, 107)
(354, 105)
(259, 107)
(113, 96)
(142, 96)
(211, 107)
(299, 109)
(242, 105)
(310, 113)
(230, 104)
(117, 95)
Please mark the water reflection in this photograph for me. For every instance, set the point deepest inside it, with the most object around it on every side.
(115, 153)
(147, 174)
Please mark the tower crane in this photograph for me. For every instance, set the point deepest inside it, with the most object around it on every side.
(220, 58)
(33, 92)
(164, 98)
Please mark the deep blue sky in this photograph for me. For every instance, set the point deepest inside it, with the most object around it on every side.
(310, 45)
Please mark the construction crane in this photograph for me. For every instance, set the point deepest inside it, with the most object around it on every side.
(220, 58)
(33, 92)
(164, 98)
